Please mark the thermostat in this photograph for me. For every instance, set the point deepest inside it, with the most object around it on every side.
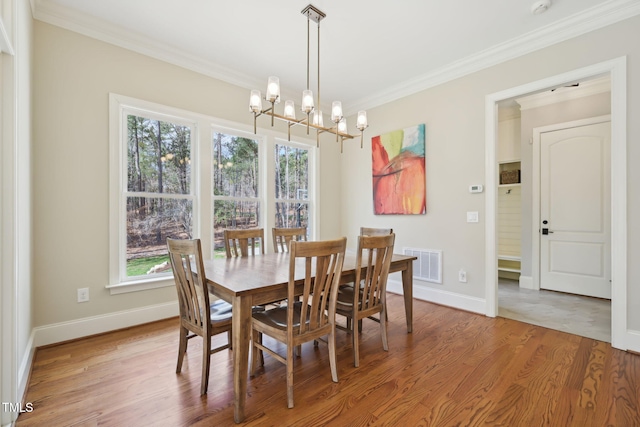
(475, 188)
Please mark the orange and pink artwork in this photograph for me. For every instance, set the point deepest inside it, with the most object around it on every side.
(398, 171)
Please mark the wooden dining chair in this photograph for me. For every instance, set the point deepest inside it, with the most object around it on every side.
(282, 237)
(243, 242)
(368, 231)
(310, 316)
(373, 259)
(198, 317)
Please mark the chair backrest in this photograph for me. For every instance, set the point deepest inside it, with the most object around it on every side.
(193, 295)
(367, 231)
(242, 243)
(321, 263)
(373, 259)
(282, 237)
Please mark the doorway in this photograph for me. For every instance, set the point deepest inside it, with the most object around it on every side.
(617, 72)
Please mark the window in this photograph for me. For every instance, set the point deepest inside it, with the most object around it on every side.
(174, 173)
(159, 203)
(236, 191)
(291, 186)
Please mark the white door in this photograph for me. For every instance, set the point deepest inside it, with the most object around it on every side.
(575, 241)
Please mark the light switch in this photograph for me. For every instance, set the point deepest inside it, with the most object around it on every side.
(472, 216)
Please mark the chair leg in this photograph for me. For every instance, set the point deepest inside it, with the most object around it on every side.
(356, 349)
(256, 353)
(230, 339)
(290, 351)
(332, 354)
(206, 359)
(182, 348)
(383, 329)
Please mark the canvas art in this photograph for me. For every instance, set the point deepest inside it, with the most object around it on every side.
(398, 171)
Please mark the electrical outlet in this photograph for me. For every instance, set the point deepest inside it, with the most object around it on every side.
(462, 276)
(83, 294)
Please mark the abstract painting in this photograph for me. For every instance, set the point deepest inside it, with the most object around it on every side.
(398, 171)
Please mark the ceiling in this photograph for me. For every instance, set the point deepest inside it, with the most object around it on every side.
(372, 52)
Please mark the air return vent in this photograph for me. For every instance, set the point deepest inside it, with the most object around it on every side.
(428, 266)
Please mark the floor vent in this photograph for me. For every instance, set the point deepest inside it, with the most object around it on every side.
(428, 266)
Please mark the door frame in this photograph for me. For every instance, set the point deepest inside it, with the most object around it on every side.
(536, 192)
(617, 70)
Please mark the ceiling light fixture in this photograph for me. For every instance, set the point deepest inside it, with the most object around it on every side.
(311, 109)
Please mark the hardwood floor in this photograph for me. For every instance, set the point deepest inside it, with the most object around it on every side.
(455, 369)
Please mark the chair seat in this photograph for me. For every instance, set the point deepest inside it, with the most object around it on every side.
(277, 317)
(220, 310)
(345, 297)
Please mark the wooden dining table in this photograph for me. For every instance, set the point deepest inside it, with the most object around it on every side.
(250, 281)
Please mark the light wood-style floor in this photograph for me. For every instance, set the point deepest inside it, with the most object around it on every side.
(455, 369)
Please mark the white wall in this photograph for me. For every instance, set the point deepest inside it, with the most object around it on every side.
(454, 116)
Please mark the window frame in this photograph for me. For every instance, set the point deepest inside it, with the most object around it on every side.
(201, 188)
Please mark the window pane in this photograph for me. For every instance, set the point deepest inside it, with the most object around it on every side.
(149, 222)
(233, 214)
(159, 156)
(290, 215)
(235, 162)
(292, 172)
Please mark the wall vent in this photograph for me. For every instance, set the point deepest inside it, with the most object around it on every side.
(428, 266)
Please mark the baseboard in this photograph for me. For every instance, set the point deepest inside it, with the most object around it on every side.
(633, 341)
(24, 370)
(65, 331)
(450, 299)
(526, 282)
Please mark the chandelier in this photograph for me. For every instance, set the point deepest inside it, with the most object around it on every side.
(311, 110)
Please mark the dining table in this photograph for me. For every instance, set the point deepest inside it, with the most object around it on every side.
(246, 282)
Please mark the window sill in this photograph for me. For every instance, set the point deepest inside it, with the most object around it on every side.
(141, 285)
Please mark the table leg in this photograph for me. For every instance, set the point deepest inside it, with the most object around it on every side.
(407, 287)
(241, 340)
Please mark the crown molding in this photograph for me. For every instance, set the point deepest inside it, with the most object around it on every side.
(606, 13)
(89, 26)
(589, 20)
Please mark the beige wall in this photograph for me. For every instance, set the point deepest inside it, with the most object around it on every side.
(74, 75)
(454, 115)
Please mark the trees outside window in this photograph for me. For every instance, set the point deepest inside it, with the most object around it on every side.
(236, 190)
(291, 186)
(159, 202)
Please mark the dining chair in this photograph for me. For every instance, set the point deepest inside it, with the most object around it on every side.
(242, 242)
(198, 317)
(309, 316)
(368, 231)
(373, 258)
(282, 237)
